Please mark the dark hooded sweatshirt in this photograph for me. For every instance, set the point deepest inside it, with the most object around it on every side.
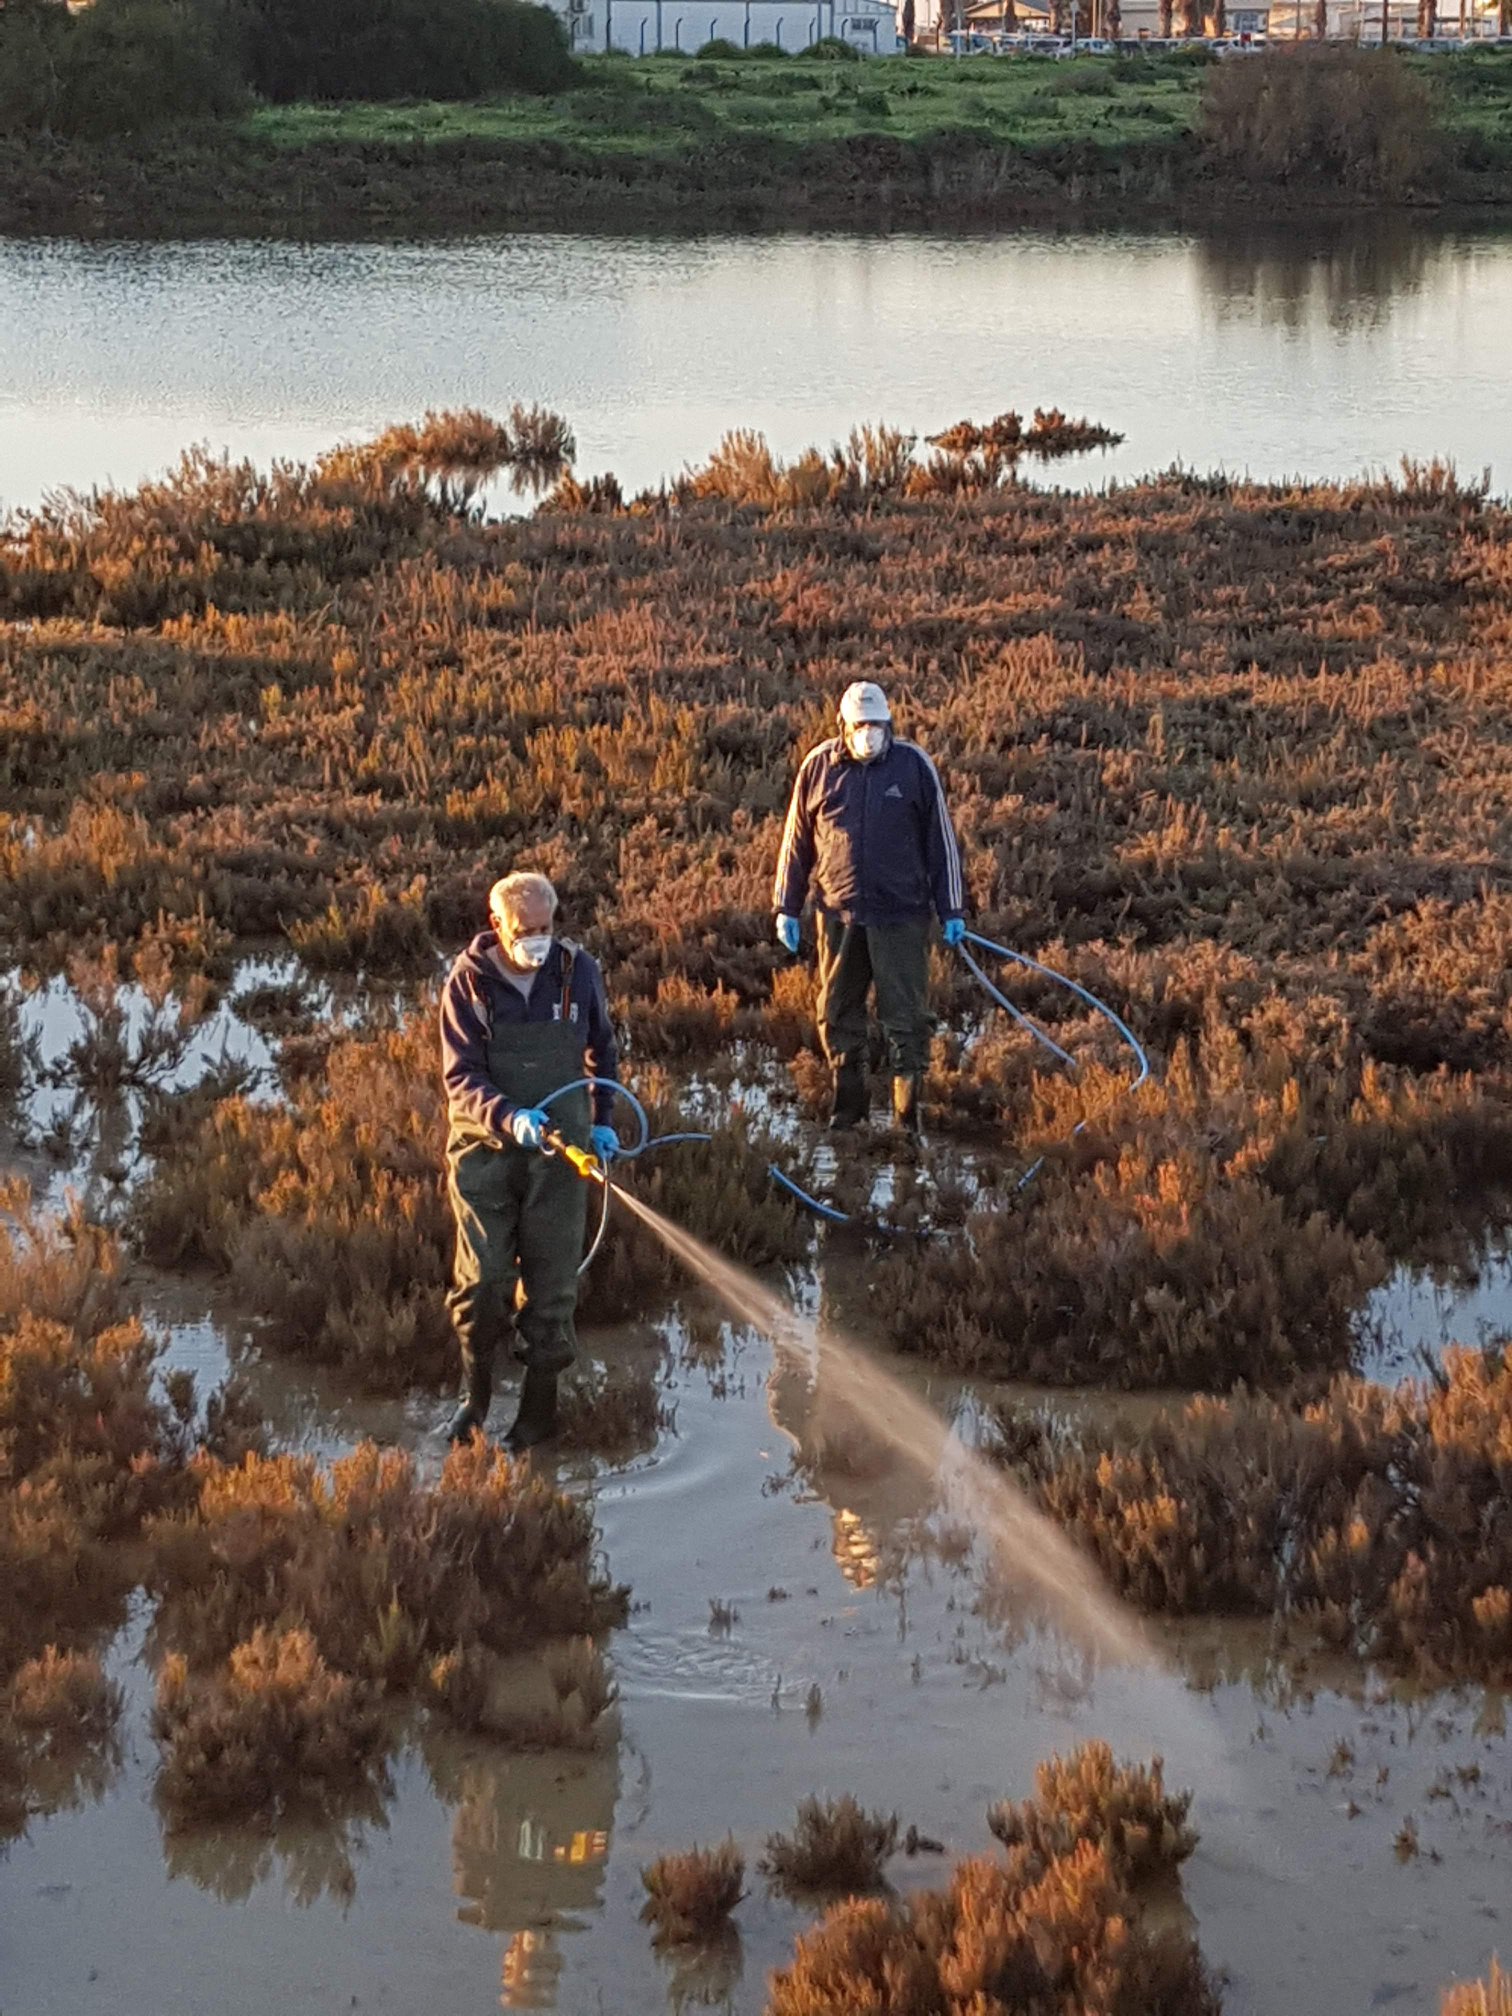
(477, 999)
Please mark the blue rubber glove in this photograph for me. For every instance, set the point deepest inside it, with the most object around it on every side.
(530, 1126)
(787, 932)
(955, 930)
(605, 1144)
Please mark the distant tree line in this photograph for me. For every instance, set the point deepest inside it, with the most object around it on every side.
(121, 66)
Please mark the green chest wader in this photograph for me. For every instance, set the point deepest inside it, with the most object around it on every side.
(521, 1215)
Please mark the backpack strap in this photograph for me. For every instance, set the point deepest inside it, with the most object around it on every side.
(569, 953)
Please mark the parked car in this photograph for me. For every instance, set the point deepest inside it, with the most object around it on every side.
(1094, 45)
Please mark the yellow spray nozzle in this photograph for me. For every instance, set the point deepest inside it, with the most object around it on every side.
(583, 1160)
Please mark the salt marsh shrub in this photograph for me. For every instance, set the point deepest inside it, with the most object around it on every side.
(1123, 1810)
(834, 1845)
(1490, 1997)
(275, 1731)
(1056, 1938)
(1381, 1519)
(689, 1897)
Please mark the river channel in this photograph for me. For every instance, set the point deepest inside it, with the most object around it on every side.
(1324, 351)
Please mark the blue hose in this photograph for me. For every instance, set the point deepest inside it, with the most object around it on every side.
(1061, 980)
(834, 1217)
(647, 1141)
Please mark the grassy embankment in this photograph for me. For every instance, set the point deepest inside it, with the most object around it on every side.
(669, 139)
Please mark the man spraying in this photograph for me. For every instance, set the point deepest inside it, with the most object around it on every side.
(869, 828)
(522, 1013)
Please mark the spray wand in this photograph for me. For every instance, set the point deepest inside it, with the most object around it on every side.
(583, 1160)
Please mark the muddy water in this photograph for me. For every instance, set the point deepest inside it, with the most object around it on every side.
(855, 1660)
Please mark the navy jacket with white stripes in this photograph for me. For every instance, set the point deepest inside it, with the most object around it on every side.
(874, 840)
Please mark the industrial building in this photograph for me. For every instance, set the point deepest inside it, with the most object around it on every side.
(647, 27)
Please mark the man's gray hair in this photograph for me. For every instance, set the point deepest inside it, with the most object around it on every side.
(509, 892)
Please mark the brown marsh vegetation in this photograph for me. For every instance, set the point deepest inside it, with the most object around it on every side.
(1383, 1520)
(1123, 1810)
(1491, 1997)
(294, 1600)
(1235, 754)
(834, 1845)
(689, 1897)
(91, 1447)
(296, 1607)
(1053, 1929)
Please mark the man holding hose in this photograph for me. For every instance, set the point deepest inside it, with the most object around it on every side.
(523, 1013)
(869, 828)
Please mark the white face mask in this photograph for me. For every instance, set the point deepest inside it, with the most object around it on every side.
(530, 950)
(868, 740)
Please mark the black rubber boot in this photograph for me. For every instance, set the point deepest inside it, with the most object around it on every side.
(477, 1392)
(464, 1424)
(908, 1097)
(848, 1108)
(537, 1418)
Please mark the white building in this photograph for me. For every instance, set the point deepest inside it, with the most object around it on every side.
(643, 27)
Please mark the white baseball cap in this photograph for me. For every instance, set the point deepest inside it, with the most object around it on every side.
(863, 702)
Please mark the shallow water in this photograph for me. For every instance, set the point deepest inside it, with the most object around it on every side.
(494, 1880)
(1326, 349)
(1410, 1321)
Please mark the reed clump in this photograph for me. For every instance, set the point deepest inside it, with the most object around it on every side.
(93, 1448)
(1382, 1519)
(1123, 1810)
(835, 1845)
(689, 1897)
(386, 1572)
(1223, 1225)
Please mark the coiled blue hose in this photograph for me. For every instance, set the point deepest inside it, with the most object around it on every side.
(834, 1217)
(646, 1141)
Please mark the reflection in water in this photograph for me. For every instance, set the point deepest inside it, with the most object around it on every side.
(529, 1845)
(1292, 277)
(114, 357)
(707, 1976)
(881, 1508)
(312, 1860)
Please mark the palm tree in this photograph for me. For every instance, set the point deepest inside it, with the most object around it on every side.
(1191, 17)
(1427, 19)
(1113, 19)
(1320, 21)
(1167, 19)
(1218, 18)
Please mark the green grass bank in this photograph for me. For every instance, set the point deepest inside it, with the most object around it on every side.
(694, 141)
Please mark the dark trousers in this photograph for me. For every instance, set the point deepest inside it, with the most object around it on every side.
(895, 959)
(520, 1222)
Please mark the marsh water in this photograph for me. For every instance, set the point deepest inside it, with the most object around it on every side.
(808, 1615)
(804, 1621)
(1326, 350)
